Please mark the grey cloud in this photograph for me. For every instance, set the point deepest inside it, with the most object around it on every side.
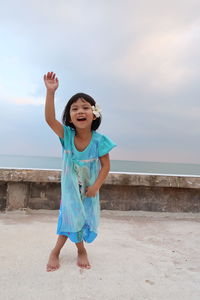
(106, 49)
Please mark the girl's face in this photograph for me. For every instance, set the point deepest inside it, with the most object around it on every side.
(81, 114)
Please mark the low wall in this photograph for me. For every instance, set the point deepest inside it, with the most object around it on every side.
(40, 189)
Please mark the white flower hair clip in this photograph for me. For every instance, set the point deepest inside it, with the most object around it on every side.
(96, 110)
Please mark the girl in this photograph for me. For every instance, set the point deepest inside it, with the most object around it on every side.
(85, 165)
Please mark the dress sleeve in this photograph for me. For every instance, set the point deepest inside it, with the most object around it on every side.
(105, 145)
(66, 136)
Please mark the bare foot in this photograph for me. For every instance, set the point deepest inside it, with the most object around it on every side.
(53, 263)
(82, 260)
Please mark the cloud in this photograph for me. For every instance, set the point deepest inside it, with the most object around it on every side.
(139, 59)
(33, 101)
(20, 94)
(161, 62)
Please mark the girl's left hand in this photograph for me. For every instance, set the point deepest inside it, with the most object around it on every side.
(91, 191)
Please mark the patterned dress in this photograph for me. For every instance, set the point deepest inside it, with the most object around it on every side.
(79, 215)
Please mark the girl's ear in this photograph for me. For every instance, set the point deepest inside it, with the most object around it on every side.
(94, 117)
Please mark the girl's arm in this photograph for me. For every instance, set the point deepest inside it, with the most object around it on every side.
(105, 168)
(51, 83)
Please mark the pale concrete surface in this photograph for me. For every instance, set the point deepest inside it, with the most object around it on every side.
(137, 255)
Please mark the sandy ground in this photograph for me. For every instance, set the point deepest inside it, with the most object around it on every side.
(137, 255)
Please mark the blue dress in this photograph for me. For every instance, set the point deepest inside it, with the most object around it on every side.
(79, 215)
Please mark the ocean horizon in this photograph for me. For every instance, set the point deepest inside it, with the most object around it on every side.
(120, 166)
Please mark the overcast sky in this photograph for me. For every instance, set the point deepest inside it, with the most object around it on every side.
(139, 59)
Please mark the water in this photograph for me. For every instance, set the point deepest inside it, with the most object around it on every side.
(124, 166)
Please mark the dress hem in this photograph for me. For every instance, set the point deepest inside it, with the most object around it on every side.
(72, 237)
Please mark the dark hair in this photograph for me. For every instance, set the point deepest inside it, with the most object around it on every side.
(66, 113)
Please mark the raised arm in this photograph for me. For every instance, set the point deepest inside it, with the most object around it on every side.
(51, 83)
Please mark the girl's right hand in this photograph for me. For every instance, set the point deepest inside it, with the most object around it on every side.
(51, 81)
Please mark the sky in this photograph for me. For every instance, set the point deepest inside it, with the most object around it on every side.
(140, 61)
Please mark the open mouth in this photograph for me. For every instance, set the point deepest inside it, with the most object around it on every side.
(81, 119)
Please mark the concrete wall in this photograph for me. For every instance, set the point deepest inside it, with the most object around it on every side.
(40, 189)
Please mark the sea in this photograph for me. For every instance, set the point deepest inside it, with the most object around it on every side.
(119, 166)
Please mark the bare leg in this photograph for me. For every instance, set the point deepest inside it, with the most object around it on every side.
(82, 259)
(53, 263)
